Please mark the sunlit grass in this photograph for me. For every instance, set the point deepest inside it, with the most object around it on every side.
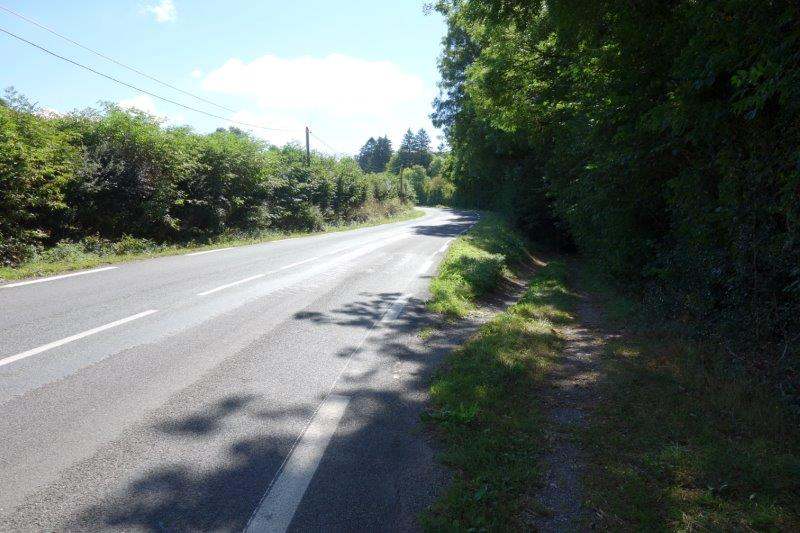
(680, 439)
(485, 401)
(474, 265)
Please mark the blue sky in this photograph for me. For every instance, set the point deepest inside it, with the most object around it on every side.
(350, 69)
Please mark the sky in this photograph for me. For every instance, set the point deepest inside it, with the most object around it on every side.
(348, 69)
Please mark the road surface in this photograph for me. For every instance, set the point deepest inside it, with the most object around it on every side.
(269, 387)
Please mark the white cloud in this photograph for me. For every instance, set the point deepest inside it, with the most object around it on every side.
(141, 102)
(197, 73)
(345, 99)
(164, 11)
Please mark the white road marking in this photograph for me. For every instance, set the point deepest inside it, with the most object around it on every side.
(396, 308)
(425, 267)
(444, 246)
(257, 276)
(294, 265)
(75, 337)
(361, 249)
(228, 285)
(209, 251)
(276, 510)
(51, 278)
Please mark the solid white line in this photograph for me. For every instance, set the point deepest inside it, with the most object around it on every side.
(51, 278)
(444, 246)
(209, 251)
(425, 267)
(276, 510)
(396, 308)
(75, 337)
(228, 285)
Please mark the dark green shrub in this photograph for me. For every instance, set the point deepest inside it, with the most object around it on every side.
(117, 181)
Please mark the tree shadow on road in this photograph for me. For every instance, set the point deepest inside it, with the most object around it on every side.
(453, 227)
(378, 472)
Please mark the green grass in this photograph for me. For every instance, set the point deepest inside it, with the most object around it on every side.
(485, 404)
(680, 440)
(474, 265)
(426, 333)
(91, 253)
(683, 440)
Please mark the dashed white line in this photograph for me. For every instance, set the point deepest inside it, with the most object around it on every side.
(396, 308)
(55, 344)
(210, 251)
(228, 285)
(257, 276)
(303, 262)
(51, 278)
(276, 510)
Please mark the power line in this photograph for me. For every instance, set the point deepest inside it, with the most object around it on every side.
(111, 59)
(334, 150)
(154, 95)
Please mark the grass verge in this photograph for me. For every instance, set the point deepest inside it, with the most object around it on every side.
(474, 265)
(92, 252)
(683, 439)
(484, 399)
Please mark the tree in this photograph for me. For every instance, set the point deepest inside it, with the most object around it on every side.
(416, 178)
(382, 154)
(97, 175)
(366, 155)
(375, 154)
(662, 140)
(37, 162)
(405, 156)
(422, 149)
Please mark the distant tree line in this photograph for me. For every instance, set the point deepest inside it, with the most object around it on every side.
(375, 154)
(111, 173)
(418, 169)
(660, 138)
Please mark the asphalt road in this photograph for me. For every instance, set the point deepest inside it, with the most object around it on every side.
(267, 387)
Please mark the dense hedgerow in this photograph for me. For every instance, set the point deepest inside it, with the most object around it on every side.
(662, 138)
(114, 174)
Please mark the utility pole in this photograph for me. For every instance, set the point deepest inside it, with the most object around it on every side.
(308, 148)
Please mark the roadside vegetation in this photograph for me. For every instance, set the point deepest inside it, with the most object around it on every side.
(683, 440)
(92, 251)
(419, 171)
(657, 144)
(485, 405)
(474, 266)
(678, 440)
(100, 185)
(659, 139)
